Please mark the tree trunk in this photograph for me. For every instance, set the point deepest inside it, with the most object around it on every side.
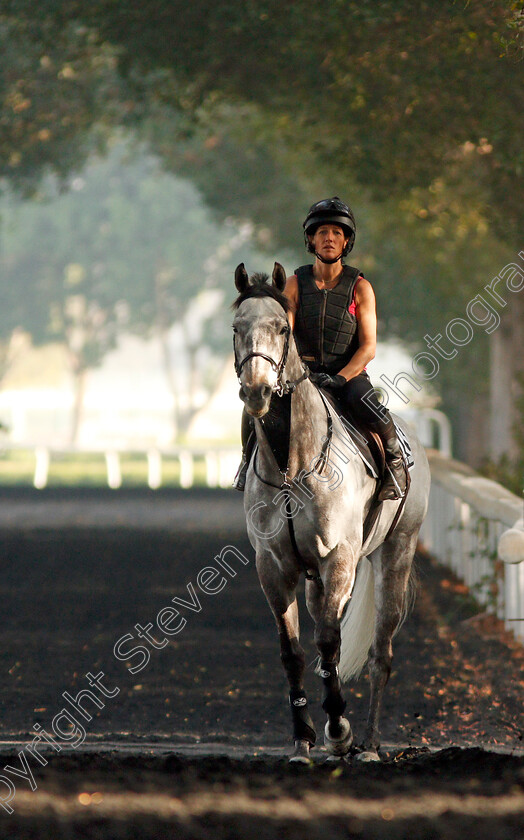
(506, 367)
(163, 337)
(79, 385)
(189, 412)
(10, 348)
(472, 436)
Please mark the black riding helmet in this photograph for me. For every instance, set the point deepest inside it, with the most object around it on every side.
(330, 211)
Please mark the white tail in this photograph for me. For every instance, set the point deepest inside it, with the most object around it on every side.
(358, 624)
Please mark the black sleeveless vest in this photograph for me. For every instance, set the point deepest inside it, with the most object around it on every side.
(325, 330)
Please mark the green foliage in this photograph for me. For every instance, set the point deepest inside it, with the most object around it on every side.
(426, 274)
(410, 110)
(58, 89)
(510, 471)
(506, 471)
(394, 92)
(124, 247)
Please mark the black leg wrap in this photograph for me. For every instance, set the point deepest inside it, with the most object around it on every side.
(303, 726)
(334, 705)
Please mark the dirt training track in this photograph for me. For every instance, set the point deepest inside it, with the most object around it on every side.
(193, 743)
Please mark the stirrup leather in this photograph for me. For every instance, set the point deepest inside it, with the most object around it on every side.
(239, 482)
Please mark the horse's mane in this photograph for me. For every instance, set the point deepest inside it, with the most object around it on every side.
(259, 287)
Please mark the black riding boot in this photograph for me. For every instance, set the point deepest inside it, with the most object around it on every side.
(395, 478)
(248, 444)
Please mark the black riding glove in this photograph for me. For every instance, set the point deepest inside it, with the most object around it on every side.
(325, 380)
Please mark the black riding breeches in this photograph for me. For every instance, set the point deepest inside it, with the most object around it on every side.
(359, 397)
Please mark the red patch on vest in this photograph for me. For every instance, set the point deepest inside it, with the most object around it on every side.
(352, 305)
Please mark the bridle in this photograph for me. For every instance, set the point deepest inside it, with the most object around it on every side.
(281, 387)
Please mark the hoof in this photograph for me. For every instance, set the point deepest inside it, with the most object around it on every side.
(368, 755)
(301, 754)
(339, 746)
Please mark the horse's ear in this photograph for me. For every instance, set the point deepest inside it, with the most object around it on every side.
(241, 278)
(279, 277)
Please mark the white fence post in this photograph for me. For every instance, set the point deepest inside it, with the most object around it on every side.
(114, 475)
(228, 464)
(186, 468)
(41, 467)
(212, 468)
(154, 469)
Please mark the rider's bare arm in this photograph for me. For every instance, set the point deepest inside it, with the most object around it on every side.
(366, 313)
(291, 292)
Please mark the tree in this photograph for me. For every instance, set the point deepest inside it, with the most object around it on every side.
(394, 94)
(399, 98)
(124, 249)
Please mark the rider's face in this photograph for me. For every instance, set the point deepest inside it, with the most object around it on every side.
(329, 241)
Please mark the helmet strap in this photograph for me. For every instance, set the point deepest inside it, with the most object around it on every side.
(328, 262)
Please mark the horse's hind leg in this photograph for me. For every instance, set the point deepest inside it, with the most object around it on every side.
(283, 603)
(391, 566)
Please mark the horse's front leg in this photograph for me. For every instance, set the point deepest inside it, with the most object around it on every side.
(338, 583)
(280, 593)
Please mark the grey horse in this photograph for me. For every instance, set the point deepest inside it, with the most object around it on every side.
(306, 499)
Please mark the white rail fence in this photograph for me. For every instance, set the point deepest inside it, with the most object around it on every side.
(221, 461)
(220, 464)
(475, 527)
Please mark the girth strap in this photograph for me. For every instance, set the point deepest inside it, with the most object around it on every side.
(401, 505)
(376, 507)
(289, 515)
(286, 486)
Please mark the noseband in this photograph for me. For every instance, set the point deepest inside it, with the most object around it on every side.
(281, 387)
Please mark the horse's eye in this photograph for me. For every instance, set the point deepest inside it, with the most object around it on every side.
(284, 330)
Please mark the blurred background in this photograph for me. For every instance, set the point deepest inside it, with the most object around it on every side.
(146, 150)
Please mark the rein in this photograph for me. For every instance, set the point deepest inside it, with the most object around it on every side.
(287, 485)
(322, 458)
(281, 387)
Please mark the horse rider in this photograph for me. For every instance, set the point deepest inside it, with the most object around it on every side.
(334, 322)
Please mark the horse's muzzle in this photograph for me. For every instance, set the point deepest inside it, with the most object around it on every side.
(256, 399)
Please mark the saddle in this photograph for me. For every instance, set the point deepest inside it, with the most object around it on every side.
(371, 449)
(366, 442)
